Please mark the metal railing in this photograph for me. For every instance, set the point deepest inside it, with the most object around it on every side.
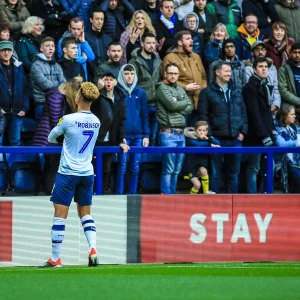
(268, 151)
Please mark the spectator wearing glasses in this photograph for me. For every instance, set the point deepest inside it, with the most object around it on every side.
(248, 34)
(173, 105)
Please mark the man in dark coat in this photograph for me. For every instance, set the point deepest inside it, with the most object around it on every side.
(257, 96)
(109, 108)
(221, 104)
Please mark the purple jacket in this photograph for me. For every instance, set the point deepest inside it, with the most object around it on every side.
(55, 107)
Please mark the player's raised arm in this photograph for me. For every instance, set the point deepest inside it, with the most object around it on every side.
(57, 131)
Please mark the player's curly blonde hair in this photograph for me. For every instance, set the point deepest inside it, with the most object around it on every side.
(89, 91)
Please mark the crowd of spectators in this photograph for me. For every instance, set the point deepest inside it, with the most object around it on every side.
(171, 73)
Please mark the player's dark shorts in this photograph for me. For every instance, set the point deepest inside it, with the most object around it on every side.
(68, 186)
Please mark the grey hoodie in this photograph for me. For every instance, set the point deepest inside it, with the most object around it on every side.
(122, 82)
(45, 74)
(185, 21)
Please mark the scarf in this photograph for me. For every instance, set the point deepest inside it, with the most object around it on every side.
(269, 88)
(170, 24)
(280, 48)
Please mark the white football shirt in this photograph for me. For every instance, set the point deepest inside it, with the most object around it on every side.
(80, 132)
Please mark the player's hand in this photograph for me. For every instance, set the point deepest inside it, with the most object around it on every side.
(124, 147)
(192, 87)
(214, 145)
(21, 113)
(82, 37)
(101, 83)
(145, 142)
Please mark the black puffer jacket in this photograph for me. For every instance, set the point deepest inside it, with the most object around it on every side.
(112, 116)
(226, 119)
(122, 14)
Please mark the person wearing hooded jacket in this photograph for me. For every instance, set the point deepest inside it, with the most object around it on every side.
(136, 127)
(228, 13)
(191, 23)
(85, 53)
(45, 74)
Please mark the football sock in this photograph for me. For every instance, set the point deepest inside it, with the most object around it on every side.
(58, 234)
(205, 183)
(194, 191)
(89, 228)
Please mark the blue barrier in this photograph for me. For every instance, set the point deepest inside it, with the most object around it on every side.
(268, 151)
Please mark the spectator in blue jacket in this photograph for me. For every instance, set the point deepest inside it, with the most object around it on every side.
(98, 40)
(213, 48)
(85, 52)
(13, 102)
(136, 127)
(79, 8)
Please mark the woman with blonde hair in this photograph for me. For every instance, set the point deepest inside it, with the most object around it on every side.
(279, 45)
(213, 48)
(131, 37)
(59, 102)
(29, 43)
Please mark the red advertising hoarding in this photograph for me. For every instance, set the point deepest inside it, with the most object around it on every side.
(203, 228)
(6, 231)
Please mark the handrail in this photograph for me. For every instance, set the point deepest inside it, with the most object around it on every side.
(269, 151)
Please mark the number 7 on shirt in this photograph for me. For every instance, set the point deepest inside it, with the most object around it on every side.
(90, 135)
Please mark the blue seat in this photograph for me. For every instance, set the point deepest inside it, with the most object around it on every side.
(3, 173)
(25, 172)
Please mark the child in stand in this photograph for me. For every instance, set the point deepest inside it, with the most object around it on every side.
(195, 165)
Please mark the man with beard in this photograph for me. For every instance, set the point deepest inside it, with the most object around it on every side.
(148, 71)
(98, 40)
(113, 65)
(289, 79)
(248, 34)
(192, 76)
(237, 67)
(221, 105)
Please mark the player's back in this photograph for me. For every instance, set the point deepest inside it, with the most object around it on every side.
(80, 134)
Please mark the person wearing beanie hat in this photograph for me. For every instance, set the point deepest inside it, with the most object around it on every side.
(13, 102)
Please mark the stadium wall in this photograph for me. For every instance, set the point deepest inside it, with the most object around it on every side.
(157, 229)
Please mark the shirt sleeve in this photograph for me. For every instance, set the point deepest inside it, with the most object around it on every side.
(57, 131)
